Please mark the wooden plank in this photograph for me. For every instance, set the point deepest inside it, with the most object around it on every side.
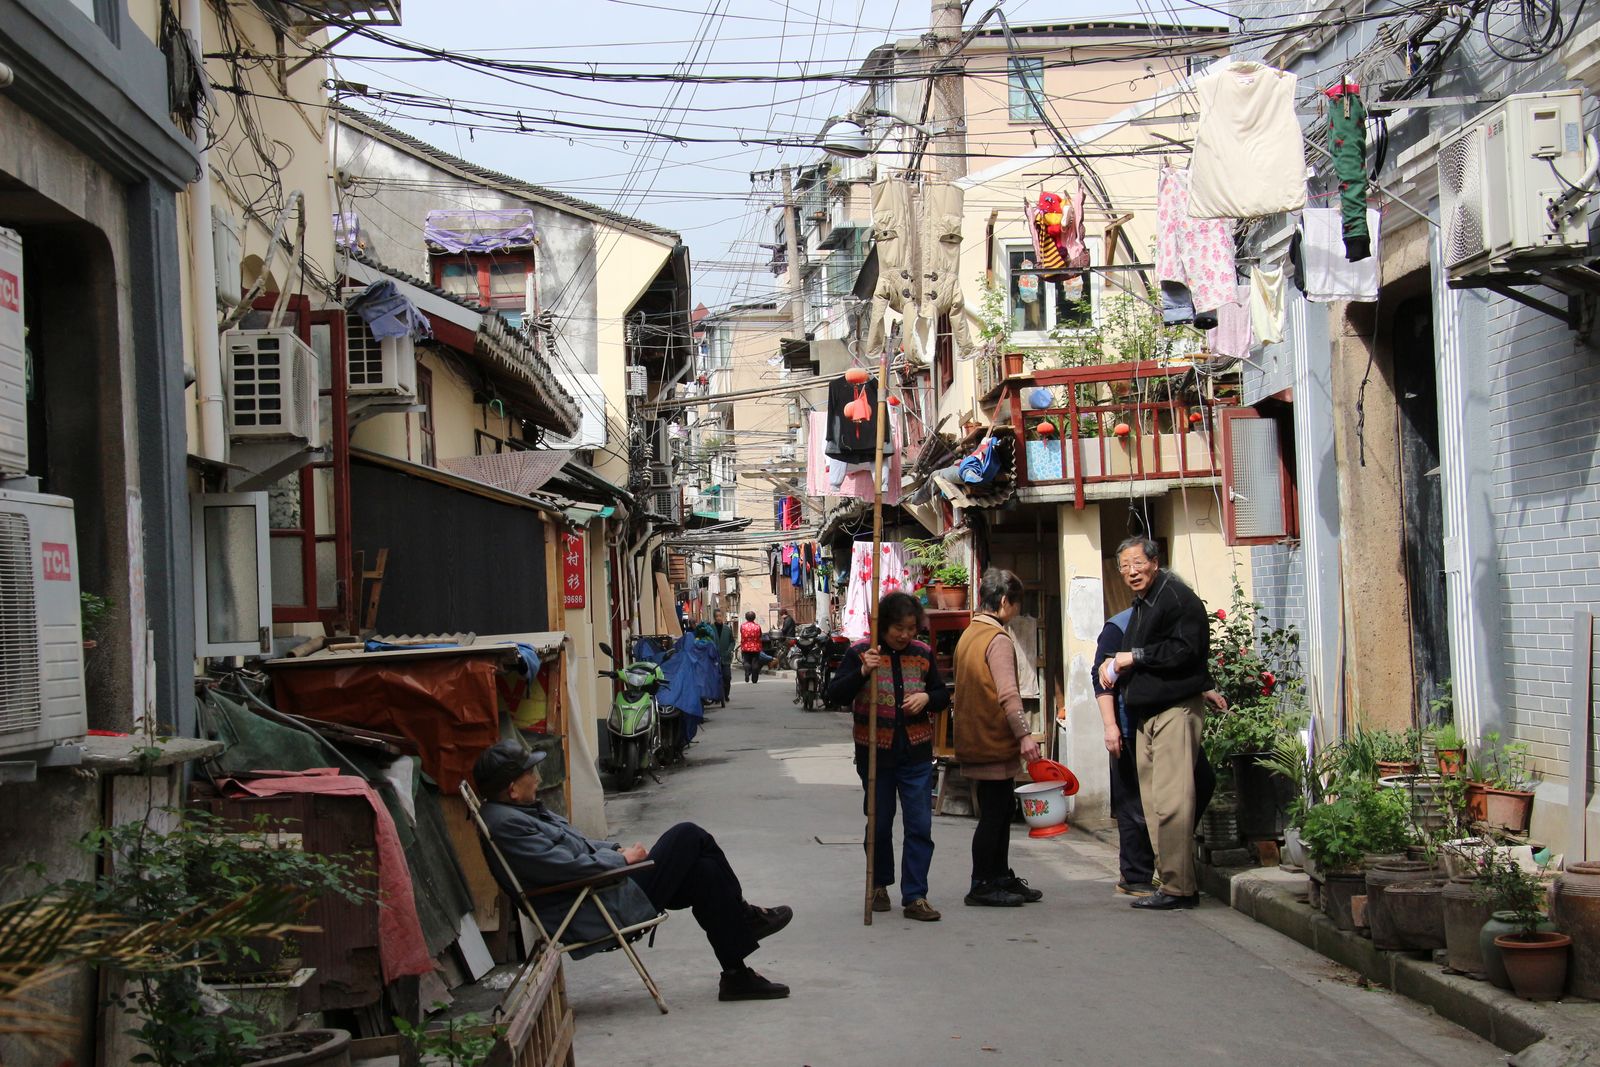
(486, 893)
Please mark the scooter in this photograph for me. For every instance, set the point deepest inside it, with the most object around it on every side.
(807, 654)
(633, 728)
(835, 647)
(671, 738)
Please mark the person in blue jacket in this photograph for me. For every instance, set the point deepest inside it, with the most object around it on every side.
(1136, 857)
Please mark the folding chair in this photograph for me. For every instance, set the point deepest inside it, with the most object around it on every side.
(587, 892)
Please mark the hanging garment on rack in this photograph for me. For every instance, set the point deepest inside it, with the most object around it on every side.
(796, 569)
(893, 575)
(1249, 154)
(1196, 254)
(1266, 304)
(1232, 336)
(934, 280)
(854, 479)
(1327, 275)
(1347, 144)
(1073, 236)
(848, 440)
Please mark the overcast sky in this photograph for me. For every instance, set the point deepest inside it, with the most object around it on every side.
(702, 190)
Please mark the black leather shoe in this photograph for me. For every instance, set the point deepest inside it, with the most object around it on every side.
(745, 984)
(1021, 888)
(764, 922)
(992, 895)
(1160, 901)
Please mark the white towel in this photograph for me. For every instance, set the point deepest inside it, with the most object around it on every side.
(1330, 276)
(1266, 304)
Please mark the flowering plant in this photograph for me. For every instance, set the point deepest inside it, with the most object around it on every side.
(1255, 665)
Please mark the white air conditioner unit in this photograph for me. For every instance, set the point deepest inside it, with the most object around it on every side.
(1498, 175)
(374, 367)
(41, 636)
(13, 360)
(271, 382)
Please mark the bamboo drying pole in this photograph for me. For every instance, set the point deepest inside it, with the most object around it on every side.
(882, 413)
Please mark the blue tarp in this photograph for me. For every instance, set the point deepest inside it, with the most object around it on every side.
(693, 676)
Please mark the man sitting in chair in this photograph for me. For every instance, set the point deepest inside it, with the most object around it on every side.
(689, 871)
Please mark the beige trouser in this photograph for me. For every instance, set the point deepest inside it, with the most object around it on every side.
(1168, 745)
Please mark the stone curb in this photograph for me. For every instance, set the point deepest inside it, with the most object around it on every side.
(1541, 1034)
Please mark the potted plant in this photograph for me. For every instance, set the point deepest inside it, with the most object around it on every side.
(1290, 761)
(1395, 751)
(1335, 847)
(1514, 897)
(1509, 786)
(1449, 749)
(1533, 954)
(946, 578)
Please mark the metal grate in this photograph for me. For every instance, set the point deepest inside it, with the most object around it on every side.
(258, 395)
(364, 354)
(1461, 196)
(21, 705)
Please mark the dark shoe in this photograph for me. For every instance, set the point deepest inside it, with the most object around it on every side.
(745, 984)
(992, 895)
(1136, 889)
(1160, 901)
(764, 922)
(880, 899)
(1021, 888)
(921, 911)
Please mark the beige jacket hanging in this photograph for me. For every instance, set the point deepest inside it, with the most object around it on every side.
(898, 278)
(1249, 154)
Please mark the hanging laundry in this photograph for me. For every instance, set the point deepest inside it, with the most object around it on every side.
(1266, 304)
(1057, 231)
(1347, 143)
(1193, 255)
(1249, 154)
(934, 281)
(847, 439)
(1326, 274)
(1073, 236)
(893, 575)
(1232, 336)
(831, 477)
(796, 569)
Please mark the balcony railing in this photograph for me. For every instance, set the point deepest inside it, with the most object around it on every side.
(1117, 422)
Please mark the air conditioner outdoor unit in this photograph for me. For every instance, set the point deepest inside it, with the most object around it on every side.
(374, 367)
(1498, 175)
(13, 362)
(41, 638)
(271, 382)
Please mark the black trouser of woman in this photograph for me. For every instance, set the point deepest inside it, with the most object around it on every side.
(752, 666)
(991, 841)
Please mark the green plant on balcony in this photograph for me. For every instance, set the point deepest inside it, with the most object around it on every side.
(933, 556)
(1126, 328)
(994, 319)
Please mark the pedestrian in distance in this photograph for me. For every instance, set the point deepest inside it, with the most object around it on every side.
(726, 639)
(689, 870)
(907, 694)
(750, 647)
(1162, 673)
(1136, 858)
(992, 738)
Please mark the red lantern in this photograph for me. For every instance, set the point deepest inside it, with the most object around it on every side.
(1045, 429)
(855, 375)
(894, 401)
(1122, 429)
(1194, 417)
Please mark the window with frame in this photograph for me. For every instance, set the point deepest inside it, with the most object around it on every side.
(497, 280)
(1022, 75)
(430, 454)
(1259, 504)
(1039, 302)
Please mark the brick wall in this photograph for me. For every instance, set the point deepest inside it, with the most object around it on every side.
(1278, 583)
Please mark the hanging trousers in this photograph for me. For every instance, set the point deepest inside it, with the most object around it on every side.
(691, 872)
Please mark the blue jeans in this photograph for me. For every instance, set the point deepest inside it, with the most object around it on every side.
(911, 781)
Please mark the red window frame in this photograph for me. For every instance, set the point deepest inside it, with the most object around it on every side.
(481, 262)
(1288, 495)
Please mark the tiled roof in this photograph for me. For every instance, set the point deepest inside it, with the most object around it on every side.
(517, 185)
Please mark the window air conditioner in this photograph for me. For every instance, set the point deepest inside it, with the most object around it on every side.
(1498, 176)
(271, 383)
(13, 361)
(373, 367)
(41, 638)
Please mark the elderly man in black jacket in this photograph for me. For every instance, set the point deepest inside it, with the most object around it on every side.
(1162, 672)
(689, 871)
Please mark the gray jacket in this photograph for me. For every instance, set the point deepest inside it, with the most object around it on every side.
(544, 850)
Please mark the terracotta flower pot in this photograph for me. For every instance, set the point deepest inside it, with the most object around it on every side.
(947, 597)
(1390, 768)
(1449, 760)
(1477, 801)
(1536, 963)
(1013, 366)
(1508, 809)
(1499, 924)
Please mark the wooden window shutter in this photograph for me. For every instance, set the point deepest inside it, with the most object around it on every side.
(1258, 504)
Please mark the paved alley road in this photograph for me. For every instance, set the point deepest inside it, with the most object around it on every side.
(1078, 978)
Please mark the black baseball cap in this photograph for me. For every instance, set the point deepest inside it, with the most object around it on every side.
(501, 764)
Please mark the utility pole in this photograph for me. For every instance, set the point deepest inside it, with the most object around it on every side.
(947, 108)
(791, 229)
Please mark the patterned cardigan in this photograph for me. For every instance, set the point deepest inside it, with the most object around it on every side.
(917, 672)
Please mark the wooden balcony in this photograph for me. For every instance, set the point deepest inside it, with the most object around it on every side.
(1167, 415)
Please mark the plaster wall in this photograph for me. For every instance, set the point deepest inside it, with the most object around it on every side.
(626, 264)
(1082, 739)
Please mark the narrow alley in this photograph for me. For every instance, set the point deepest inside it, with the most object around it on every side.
(1078, 978)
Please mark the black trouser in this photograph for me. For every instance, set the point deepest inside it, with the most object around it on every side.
(752, 666)
(727, 679)
(991, 841)
(1135, 856)
(691, 872)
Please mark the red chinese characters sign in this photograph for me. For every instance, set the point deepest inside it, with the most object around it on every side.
(572, 577)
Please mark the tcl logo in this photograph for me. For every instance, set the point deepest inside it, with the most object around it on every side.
(57, 562)
(10, 292)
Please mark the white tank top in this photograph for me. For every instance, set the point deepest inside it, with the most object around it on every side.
(1249, 159)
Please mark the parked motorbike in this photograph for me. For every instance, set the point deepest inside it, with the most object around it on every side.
(833, 655)
(633, 729)
(807, 653)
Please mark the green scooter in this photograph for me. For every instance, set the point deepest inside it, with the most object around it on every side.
(634, 726)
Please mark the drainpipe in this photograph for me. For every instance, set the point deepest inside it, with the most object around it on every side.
(203, 283)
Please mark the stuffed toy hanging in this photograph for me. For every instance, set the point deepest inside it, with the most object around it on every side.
(1045, 219)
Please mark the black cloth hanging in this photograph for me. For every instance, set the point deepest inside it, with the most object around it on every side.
(850, 441)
